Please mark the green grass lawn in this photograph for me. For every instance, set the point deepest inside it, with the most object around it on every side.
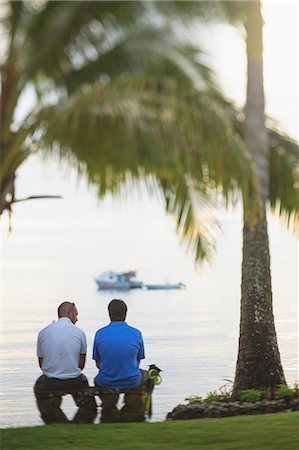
(261, 432)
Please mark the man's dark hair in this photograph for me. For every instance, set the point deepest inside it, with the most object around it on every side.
(117, 310)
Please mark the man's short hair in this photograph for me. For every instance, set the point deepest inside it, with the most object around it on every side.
(117, 310)
(64, 308)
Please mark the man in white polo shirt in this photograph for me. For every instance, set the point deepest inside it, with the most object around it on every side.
(61, 352)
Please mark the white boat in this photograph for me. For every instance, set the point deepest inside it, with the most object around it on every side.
(125, 280)
(118, 280)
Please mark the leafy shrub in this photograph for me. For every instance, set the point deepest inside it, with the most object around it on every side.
(247, 395)
(250, 395)
(224, 395)
(213, 397)
(193, 399)
(283, 391)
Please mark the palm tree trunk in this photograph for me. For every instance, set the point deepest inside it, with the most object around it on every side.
(258, 363)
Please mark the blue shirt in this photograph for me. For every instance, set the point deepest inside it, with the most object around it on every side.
(118, 348)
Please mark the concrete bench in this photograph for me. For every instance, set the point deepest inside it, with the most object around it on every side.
(92, 391)
(137, 404)
(137, 401)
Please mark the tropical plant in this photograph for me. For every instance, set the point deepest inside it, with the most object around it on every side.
(283, 391)
(275, 160)
(193, 399)
(213, 397)
(258, 363)
(250, 395)
(115, 96)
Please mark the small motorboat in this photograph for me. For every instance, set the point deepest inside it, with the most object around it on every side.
(126, 280)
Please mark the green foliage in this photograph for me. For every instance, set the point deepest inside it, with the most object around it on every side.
(224, 395)
(284, 177)
(283, 391)
(193, 399)
(155, 131)
(250, 395)
(120, 97)
(213, 397)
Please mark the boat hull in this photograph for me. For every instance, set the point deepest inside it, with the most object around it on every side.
(164, 286)
(123, 286)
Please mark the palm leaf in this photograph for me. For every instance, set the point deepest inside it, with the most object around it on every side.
(284, 177)
(195, 218)
(190, 131)
(126, 130)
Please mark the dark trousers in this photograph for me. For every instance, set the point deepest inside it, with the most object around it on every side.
(48, 400)
(133, 409)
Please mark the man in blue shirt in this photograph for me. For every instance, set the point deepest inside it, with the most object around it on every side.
(117, 351)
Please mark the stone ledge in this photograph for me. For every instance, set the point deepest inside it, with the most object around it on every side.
(222, 409)
(95, 390)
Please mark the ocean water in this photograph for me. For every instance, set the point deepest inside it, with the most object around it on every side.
(191, 339)
(57, 247)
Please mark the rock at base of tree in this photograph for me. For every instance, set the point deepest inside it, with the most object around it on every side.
(199, 410)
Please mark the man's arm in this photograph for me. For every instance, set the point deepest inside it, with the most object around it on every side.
(95, 354)
(39, 350)
(83, 351)
(82, 360)
(140, 354)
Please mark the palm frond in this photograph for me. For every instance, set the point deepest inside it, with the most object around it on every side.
(133, 128)
(196, 224)
(189, 130)
(284, 176)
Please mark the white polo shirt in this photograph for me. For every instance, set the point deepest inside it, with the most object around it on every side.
(60, 345)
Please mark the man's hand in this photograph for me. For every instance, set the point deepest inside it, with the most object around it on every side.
(82, 360)
(40, 361)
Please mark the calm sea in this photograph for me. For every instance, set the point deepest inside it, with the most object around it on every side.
(57, 248)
